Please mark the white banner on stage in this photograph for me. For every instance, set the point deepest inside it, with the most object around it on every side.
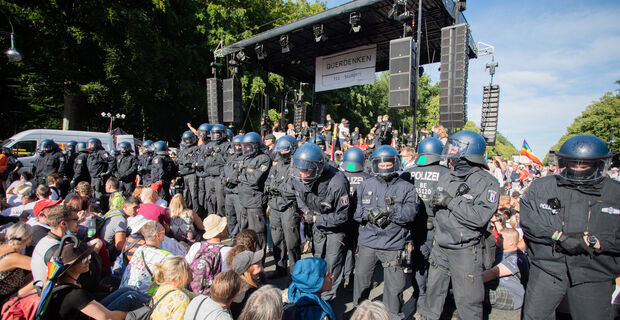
(344, 69)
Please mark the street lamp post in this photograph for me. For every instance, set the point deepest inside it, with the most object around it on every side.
(112, 117)
(11, 53)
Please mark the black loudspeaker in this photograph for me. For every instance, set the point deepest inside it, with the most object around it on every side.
(453, 76)
(299, 116)
(402, 79)
(214, 100)
(490, 106)
(318, 113)
(232, 100)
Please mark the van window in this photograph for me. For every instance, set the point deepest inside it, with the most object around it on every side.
(24, 148)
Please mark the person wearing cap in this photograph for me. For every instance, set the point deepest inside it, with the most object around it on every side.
(249, 266)
(39, 224)
(69, 300)
(269, 142)
(310, 278)
(216, 230)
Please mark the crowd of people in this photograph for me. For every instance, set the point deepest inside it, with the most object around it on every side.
(184, 235)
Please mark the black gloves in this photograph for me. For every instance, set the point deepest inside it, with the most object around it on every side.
(229, 183)
(440, 199)
(379, 217)
(309, 216)
(572, 244)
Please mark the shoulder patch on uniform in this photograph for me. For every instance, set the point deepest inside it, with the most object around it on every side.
(610, 210)
(492, 196)
(156, 160)
(344, 200)
(264, 168)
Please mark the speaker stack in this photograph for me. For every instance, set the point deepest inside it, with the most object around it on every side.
(232, 101)
(453, 76)
(490, 106)
(214, 100)
(402, 79)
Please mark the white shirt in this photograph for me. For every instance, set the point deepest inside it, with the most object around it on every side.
(37, 263)
(343, 131)
(136, 274)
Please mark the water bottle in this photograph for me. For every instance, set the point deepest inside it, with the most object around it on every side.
(92, 226)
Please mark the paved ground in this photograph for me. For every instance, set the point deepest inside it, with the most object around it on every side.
(344, 304)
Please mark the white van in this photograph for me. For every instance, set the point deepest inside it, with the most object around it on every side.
(24, 144)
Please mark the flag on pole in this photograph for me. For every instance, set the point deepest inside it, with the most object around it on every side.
(527, 151)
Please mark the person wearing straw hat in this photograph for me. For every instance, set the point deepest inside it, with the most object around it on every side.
(73, 302)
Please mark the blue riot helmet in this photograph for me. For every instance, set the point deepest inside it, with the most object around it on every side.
(204, 130)
(70, 146)
(81, 147)
(218, 132)
(250, 143)
(160, 147)
(429, 151)
(468, 145)
(94, 144)
(286, 145)
(236, 142)
(319, 140)
(353, 160)
(229, 133)
(147, 146)
(125, 147)
(188, 139)
(583, 159)
(385, 161)
(308, 163)
(48, 145)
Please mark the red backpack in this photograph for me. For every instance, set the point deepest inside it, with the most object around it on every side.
(24, 307)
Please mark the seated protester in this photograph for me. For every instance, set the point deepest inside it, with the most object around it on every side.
(60, 219)
(248, 238)
(39, 225)
(137, 191)
(82, 189)
(371, 310)
(310, 278)
(69, 300)
(225, 287)
(168, 244)
(138, 278)
(512, 269)
(114, 228)
(265, 304)
(116, 198)
(248, 265)
(54, 181)
(15, 275)
(24, 177)
(172, 275)
(28, 198)
(134, 240)
(158, 187)
(14, 195)
(151, 211)
(205, 257)
(184, 223)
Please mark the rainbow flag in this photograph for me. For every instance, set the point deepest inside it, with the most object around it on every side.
(527, 151)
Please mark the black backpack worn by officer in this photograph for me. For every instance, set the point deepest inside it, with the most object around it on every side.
(215, 157)
(230, 179)
(100, 166)
(80, 167)
(323, 196)
(126, 168)
(187, 171)
(144, 163)
(571, 223)
(463, 203)
(283, 217)
(163, 168)
(252, 184)
(386, 208)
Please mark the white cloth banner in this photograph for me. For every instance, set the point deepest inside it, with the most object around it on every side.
(344, 69)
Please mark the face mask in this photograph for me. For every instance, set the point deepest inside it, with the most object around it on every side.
(68, 232)
(402, 162)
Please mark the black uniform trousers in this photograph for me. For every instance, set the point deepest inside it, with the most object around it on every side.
(235, 217)
(190, 191)
(331, 248)
(421, 266)
(545, 292)
(98, 186)
(256, 221)
(127, 188)
(464, 268)
(202, 197)
(393, 275)
(215, 196)
(286, 238)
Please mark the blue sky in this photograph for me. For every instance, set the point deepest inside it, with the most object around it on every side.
(555, 58)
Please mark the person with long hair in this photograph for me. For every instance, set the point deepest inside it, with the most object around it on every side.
(172, 275)
(15, 275)
(248, 265)
(184, 222)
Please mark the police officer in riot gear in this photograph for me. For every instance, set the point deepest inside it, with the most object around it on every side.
(252, 178)
(464, 202)
(323, 197)
(425, 176)
(383, 131)
(319, 140)
(186, 160)
(353, 168)
(144, 163)
(126, 169)
(216, 157)
(570, 223)
(229, 134)
(80, 167)
(163, 168)
(230, 179)
(386, 207)
(100, 166)
(51, 161)
(70, 155)
(283, 217)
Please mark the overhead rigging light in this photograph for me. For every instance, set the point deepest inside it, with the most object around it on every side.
(354, 21)
(286, 46)
(260, 52)
(319, 33)
(241, 56)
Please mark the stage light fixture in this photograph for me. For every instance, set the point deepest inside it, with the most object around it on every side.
(354, 21)
(286, 46)
(241, 56)
(319, 33)
(260, 52)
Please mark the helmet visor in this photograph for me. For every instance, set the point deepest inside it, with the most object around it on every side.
(454, 149)
(581, 171)
(249, 148)
(306, 171)
(385, 165)
(283, 147)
